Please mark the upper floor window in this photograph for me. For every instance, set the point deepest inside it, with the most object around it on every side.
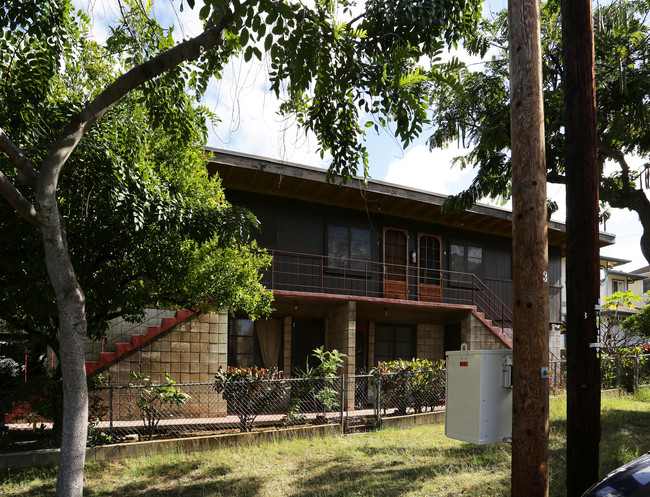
(618, 286)
(348, 247)
(466, 258)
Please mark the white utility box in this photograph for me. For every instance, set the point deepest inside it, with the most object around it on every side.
(479, 396)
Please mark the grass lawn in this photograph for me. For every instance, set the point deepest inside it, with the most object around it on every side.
(414, 462)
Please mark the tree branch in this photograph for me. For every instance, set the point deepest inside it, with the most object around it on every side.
(29, 174)
(619, 157)
(24, 207)
(79, 124)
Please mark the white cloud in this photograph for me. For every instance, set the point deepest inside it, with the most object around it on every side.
(431, 171)
(249, 117)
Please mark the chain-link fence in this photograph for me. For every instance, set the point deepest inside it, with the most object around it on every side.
(617, 372)
(121, 413)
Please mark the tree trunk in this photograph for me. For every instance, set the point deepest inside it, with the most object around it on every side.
(637, 201)
(72, 333)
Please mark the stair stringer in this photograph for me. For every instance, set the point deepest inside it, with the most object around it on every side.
(123, 350)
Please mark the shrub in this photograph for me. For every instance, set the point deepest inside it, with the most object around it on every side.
(321, 395)
(154, 397)
(248, 391)
(416, 384)
(631, 361)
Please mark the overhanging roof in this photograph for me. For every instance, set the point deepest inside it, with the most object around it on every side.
(272, 177)
(630, 276)
(613, 261)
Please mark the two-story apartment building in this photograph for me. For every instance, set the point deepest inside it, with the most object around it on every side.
(375, 270)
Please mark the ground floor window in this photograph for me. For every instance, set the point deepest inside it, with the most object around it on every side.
(394, 342)
(255, 343)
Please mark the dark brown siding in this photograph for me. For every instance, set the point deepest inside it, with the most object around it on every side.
(301, 227)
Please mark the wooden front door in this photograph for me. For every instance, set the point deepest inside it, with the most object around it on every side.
(395, 263)
(429, 264)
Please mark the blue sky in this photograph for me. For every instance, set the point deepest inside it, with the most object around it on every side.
(250, 124)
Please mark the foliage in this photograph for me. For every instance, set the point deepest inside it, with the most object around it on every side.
(146, 226)
(332, 71)
(336, 68)
(417, 384)
(617, 308)
(155, 397)
(622, 367)
(97, 409)
(323, 392)
(249, 391)
(473, 107)
(639, 324)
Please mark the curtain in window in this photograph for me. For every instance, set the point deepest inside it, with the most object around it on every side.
(269, 336)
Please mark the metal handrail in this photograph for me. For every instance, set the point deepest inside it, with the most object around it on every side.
(313, 273)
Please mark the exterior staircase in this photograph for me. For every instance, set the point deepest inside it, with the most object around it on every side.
(101, 355)
(503, 334)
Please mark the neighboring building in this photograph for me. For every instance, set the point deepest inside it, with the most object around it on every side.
(645, 284)
(613, 280)
(372, 269)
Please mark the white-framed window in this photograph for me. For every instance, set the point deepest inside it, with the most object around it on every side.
(619, 286)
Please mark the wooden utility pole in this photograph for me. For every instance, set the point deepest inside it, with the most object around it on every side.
(582, 272)
(530, 254)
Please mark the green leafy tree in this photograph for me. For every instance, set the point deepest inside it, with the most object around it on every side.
(639, 324)
(332, 70)
(473, 106)
(146, 226)
(614, 333)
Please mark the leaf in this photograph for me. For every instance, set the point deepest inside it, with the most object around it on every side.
(243, 37)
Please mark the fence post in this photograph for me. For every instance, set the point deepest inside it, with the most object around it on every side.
(110, 408)
(618, 373)
(342, 402)
(378, 400)
(636, 372)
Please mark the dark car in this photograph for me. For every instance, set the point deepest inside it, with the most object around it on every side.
(630, 480)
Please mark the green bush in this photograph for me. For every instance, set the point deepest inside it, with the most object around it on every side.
(632, 361)
(249, 391)
(320, 395)
(417, 384)
(154, 397)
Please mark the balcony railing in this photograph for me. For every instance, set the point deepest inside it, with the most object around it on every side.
(310, 273)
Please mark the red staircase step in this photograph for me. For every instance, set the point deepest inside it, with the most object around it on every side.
(92, 366)
(137, 340)
(122, 348)
(152, 331)
(182, 314)
(105, 357)
(166, 323)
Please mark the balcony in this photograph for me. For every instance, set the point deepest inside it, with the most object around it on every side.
(308, 273)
